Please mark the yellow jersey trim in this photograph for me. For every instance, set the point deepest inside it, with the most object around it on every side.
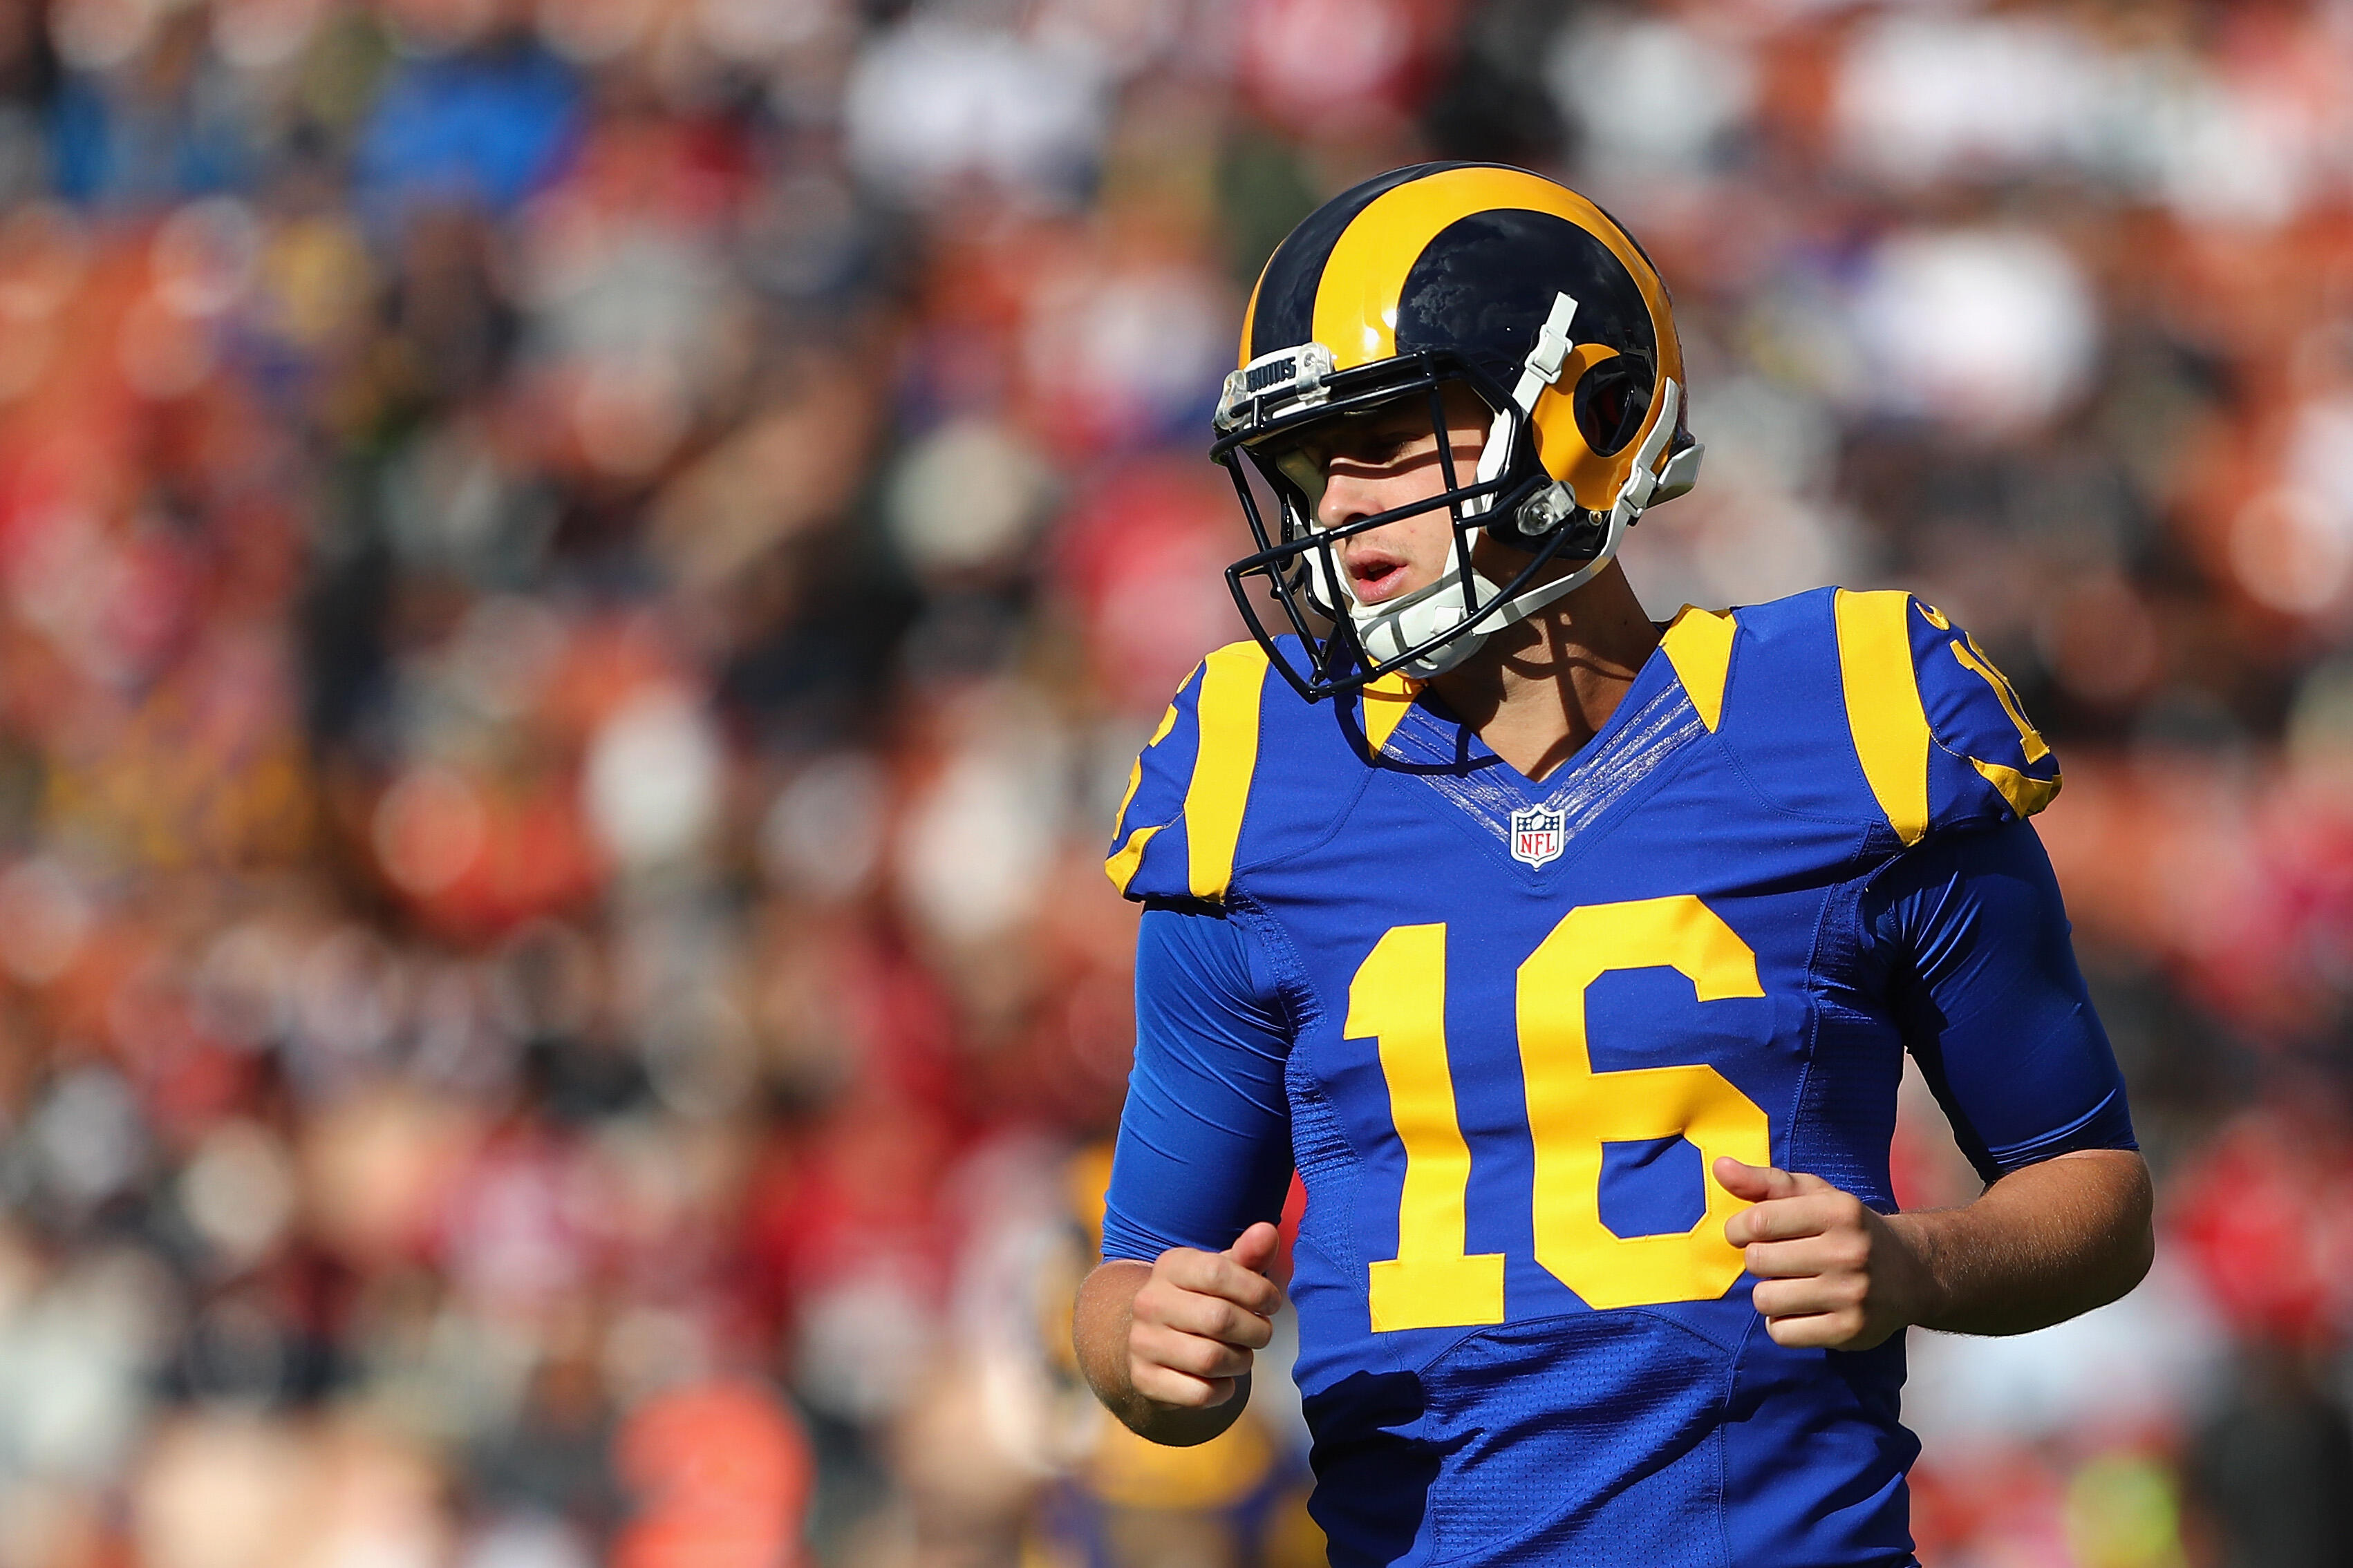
(1698, 643)
(2026, 795)
(1135, 772)
(1121, 866)
(1231, 681)
(2029, 739)
(1884, 712)
(1387, 702)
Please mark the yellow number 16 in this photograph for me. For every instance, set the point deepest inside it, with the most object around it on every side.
(1399, 998)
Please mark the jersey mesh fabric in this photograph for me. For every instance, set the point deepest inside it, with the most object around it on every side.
(1534, 1391)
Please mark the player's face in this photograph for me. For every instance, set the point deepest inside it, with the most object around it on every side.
(1390, 459)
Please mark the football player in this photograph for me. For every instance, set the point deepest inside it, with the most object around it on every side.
(1571, 960)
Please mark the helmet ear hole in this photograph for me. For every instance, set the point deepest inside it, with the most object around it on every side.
(1610, 401)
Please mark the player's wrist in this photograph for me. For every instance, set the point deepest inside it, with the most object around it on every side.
(1922, 1296)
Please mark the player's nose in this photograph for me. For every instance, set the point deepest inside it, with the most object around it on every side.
(1348, 498)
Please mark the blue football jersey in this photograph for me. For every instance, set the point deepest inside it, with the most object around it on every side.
(1524, 1017)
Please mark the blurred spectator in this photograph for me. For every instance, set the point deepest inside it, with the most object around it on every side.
(2271, 1463)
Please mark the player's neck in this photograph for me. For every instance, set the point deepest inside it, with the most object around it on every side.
(1541, 689)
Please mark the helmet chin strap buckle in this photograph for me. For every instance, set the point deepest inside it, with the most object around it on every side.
(1546, 510)
(1542, 367)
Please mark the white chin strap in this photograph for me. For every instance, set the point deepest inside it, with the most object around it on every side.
(1388, 628)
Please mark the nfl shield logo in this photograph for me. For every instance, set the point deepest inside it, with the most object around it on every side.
(1535, 836)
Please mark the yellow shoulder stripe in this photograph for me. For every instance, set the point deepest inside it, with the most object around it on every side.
(1135, 774)
(1698, 643)
(1231, 681)
(2026, 795)
(1121, 867)
(1884, 712)
(1387, 702)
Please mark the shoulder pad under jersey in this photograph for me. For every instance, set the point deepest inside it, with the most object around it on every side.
(1240, 771)
(1869, 706)
(1920, 689)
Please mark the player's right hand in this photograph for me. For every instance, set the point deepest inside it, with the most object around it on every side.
(1197, 1320)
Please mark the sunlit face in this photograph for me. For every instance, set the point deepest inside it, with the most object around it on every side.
(1361, 467)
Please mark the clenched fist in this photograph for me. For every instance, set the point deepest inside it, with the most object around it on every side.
(1830, 1272)
(1198, 1317)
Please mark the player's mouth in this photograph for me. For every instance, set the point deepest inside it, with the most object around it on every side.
(1375, 574)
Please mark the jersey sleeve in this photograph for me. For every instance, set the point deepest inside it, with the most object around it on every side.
(1181, 820)
(1205, 1138)
(1990, 1002)
(1942, 741)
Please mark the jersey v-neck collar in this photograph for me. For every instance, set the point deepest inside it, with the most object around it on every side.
(1435, 721)
(1653, 719)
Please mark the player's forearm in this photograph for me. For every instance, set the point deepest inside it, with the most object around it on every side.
(2039, 1246)
(1099, 1329)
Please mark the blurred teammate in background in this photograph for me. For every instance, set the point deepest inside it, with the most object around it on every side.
(1571, 960)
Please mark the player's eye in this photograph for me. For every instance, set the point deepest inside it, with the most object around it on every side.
(1379, 448)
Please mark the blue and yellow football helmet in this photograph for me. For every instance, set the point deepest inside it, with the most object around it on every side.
(1472, 273)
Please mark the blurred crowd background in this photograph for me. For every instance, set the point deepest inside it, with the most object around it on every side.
(579, 580)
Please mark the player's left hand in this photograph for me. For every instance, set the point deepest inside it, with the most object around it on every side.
(1829, 1272)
